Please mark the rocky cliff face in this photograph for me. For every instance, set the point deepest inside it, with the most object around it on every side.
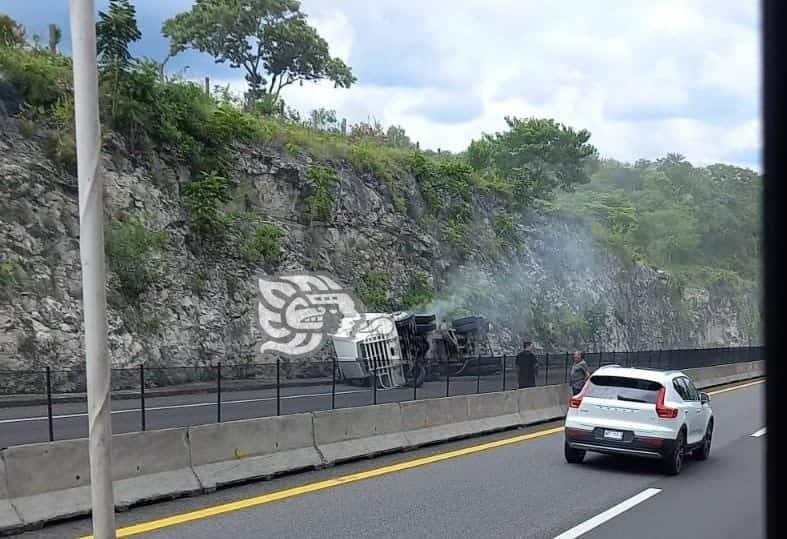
(552, 284)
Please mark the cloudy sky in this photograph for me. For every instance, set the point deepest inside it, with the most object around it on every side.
(646, 77)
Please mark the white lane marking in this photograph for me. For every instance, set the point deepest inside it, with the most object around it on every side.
(192, 405)
(609, 514)
(759, 433)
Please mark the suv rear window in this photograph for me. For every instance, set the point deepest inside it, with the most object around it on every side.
(625, 389)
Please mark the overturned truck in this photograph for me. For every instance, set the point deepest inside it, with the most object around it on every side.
(407, 349)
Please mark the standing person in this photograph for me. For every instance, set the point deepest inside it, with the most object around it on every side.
(579, 372)
(527, 365)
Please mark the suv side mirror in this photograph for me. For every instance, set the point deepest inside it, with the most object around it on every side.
(704, 398)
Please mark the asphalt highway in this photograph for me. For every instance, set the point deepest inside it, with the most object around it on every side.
(491, 487)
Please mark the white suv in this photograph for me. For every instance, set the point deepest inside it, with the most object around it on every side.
(639, 412)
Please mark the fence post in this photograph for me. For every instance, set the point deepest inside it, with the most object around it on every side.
(142, 395)
(504, 372)
(218, 392)
(333, 385)
(49, 404)
(478, 376)
(565, 368)
(278, 386)
(546, 369)
(374, 387)
(415, 385)
(447, 383)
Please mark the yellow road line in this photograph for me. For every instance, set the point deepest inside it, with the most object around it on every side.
(322, 485)
(733, 388)
(345, 479)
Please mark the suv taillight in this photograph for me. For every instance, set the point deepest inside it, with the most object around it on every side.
(576, 400)
(665, 411)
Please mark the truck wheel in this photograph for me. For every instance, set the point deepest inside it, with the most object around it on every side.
(423, 329)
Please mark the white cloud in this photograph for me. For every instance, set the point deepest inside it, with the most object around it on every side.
(646, 77)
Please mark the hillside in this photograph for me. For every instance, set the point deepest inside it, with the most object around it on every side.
(202, 195)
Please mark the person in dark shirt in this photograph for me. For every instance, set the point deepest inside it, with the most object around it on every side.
(579, 373)
(527, 364)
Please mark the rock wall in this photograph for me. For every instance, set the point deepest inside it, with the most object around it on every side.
(202, 309)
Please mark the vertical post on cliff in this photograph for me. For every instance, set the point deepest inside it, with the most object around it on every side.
(91, 247)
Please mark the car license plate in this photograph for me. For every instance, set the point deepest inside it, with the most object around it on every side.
(613, 434)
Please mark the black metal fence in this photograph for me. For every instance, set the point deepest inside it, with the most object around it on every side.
(40, 405)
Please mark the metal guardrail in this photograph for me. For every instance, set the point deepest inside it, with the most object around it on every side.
(285, 381)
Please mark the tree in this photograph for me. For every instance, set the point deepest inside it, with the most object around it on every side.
(262, 37)
(295, 52)
(322, 119)
(396, 137)
(115, 31)
(12, 34)
(536, 156)
(55, 35)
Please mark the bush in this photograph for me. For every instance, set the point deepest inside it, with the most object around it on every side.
(8, 274)
(204, 197)
(505, 229)
(62, 149)
(12, 34)
(181, 116)
(320, 199)
(447, 186)
(39, 77)
(419, 293)
(373, 291)
(455, 231)
(134, 252)
(264, 242)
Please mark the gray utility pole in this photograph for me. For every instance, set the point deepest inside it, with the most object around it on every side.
(91, 247)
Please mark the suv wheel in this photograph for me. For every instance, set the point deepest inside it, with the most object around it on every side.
(573, 456)
(673, 462)
(703, 451)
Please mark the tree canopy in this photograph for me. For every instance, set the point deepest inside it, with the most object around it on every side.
(264, 37)
(12, 34)
(115, 30)
(536, 157)
(703, 222)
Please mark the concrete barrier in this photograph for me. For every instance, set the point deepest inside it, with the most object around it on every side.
(705, 377)
(545, 403)
(434, 420)
(50, 481)
(9, 519)
(235, 451)
(350, 433)
(152, 465)
(494, 411)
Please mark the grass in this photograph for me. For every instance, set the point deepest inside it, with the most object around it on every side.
(373, 291)
(134, 252)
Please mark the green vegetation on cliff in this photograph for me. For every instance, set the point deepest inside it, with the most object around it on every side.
(702, 223)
